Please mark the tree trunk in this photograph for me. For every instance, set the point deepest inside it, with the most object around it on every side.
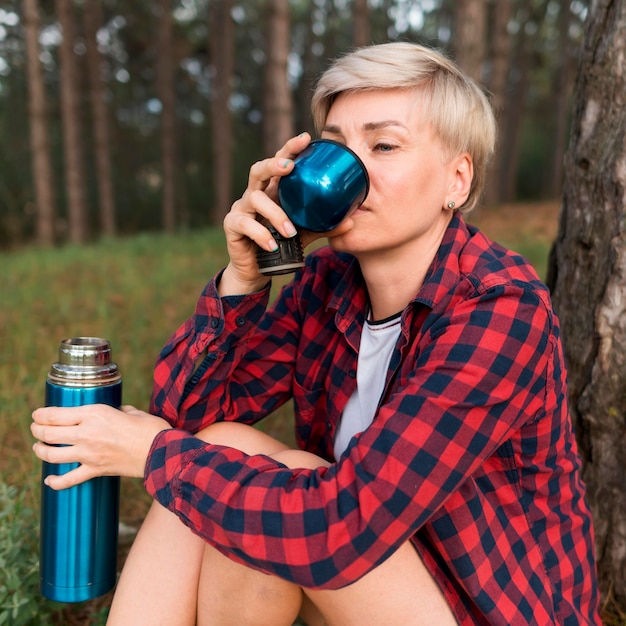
(309, 74)
(361, 33)
(92, 22)
(221, 45)
(166, 90)
(588, 277)
(511, 139)
(71, 116)
(38, 118)
(471, 29)
(498, 81)
(278, 118)
(562, 91)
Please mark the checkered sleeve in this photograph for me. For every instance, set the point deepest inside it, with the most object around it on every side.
(481, 371)
(213, 337)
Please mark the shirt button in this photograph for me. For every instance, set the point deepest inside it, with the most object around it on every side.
(214, 323)
(240, 321)
(352, 374)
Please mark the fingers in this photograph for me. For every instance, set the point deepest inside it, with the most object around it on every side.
(263, 172)
(55, 425)
(242, 227)
(72, 478)
(58, 416)
(55, 453)
(62, 456)
(264, 175)
(103, 439)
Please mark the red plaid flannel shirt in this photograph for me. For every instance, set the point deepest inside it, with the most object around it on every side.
(471, 453)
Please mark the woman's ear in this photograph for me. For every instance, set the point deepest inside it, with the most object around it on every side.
(462, 171)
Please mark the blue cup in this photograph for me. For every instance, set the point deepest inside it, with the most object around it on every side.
(327, 183)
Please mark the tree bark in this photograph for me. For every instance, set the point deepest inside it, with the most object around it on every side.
(278, 109)
(221, 45)
(588, 278)
(72, 127)
(166, 90)
(92, 20)
(38, 118)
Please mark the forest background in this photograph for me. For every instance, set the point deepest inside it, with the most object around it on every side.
(119, 117)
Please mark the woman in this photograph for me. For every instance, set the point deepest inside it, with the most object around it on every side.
(438, 481)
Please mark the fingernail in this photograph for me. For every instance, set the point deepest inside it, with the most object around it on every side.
(287, 163)
(290, 229)
(273, 245)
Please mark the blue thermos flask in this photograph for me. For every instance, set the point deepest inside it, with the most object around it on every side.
(79, 525)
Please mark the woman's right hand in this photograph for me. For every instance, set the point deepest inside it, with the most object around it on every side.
(243, 230)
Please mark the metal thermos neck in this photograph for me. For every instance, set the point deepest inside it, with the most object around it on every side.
(84, 362)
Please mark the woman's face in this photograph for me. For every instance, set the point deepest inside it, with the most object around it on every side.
(412, 177)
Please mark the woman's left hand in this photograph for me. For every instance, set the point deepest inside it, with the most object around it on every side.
(104, 440)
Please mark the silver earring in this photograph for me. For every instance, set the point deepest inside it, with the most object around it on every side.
(451, 204)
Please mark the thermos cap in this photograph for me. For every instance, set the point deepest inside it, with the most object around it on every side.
(327, 182)
(84, 362)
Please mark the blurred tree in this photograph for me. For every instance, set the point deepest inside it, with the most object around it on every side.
(307, 43)
(516, 103)
(561, 92)
(38, 118)
(524, 69)
(166, 88)
(221, 46)
(72, 126)
(471, 36)
(92, 22)
(496, 81)
(361, 24)
(278, 105)
(588, 279)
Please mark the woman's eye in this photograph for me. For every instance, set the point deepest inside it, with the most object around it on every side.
(383, 147)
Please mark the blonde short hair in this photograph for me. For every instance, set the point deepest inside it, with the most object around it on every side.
(460, 113)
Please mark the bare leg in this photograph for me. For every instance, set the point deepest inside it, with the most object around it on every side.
(230, 593)
(170, 572)
(159, 583)
(400, 591)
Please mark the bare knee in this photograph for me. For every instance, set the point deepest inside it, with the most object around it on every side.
(241, 437)
(231, 593)
(252, 441)
(299, 459)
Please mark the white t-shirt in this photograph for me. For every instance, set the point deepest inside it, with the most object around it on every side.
(377, 343)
